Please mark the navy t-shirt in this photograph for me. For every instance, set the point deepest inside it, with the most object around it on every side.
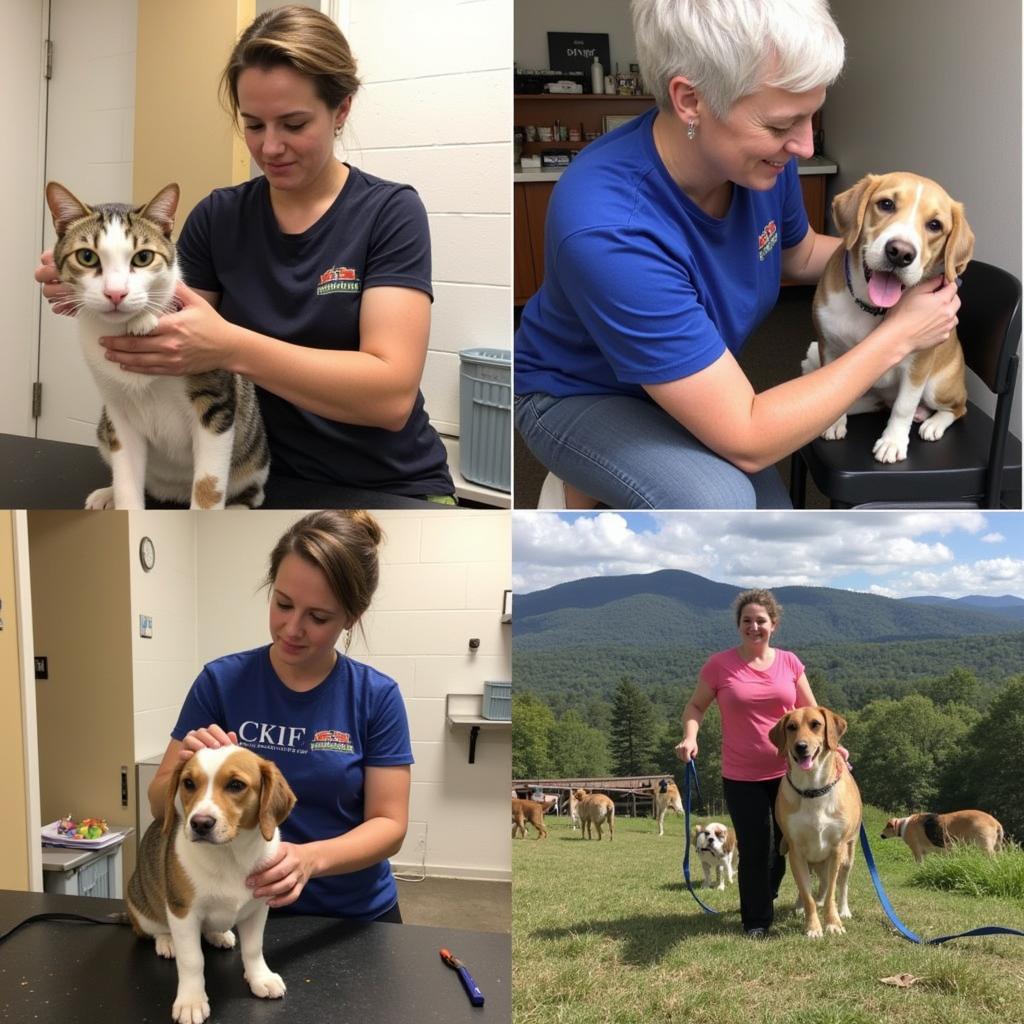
(322, 740)
(307, 289)
(641, 286)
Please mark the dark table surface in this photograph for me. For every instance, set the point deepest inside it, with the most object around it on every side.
(80, 973)
(58, 474)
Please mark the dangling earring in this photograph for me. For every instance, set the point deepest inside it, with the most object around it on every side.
(348, 639)
(337, 130)
(691, 131)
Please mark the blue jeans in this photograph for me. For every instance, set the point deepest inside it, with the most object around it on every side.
(629, 453)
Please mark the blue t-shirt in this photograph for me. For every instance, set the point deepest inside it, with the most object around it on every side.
(641, 286)
(307, 289)
(322, 740)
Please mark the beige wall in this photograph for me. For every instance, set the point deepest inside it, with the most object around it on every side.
(14, 811)
(82, 624)
(182, 133)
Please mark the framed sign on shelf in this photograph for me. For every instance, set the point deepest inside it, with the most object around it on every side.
(575, 51)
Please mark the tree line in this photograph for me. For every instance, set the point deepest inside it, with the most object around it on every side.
(954, 743)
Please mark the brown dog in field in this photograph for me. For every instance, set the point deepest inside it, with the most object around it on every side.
(666, 798)
(524, 811)
(595, 809)
(819, 811)
(933, 833)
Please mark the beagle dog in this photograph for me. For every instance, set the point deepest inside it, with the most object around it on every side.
(595, 810)
(818, 808)
(666, 798)
(933, 833)
(716, 847)
(223, 809)
(897, 229)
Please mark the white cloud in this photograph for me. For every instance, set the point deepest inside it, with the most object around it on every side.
(992, 538)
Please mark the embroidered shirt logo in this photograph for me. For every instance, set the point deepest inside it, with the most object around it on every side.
(332, 739)
(767, 240)
(338, 279)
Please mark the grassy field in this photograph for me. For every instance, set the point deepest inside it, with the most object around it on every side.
(608, 932)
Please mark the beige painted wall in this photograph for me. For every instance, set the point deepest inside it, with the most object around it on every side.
(182, 133)
(14, 811)
(84, 709)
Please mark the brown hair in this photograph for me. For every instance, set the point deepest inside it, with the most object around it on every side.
(299, 38)
(765, 598)
(342, 544)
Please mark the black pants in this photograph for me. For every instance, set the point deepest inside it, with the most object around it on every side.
(752, 808)
(392, 916)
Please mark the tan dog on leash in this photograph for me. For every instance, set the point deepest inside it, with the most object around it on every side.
(934, 833)
(819, 811)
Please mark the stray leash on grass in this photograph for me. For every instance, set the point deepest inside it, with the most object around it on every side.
(991, 929)
(691, 773)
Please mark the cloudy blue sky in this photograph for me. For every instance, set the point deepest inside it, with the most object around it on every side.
(895, 554)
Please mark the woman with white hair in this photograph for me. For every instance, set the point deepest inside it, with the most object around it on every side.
(666, 243)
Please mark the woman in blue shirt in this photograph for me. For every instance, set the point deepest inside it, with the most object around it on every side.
(336, 728)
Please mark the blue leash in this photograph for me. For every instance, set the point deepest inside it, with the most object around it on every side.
(992, 929)
(691, 773)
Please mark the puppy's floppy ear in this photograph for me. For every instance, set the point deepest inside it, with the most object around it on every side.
(849, 207)
(276, 798)
(777, 734)
(835, 726)
(170, 812)
(959, 245)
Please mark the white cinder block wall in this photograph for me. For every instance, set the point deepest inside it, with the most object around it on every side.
(435, 111)
(442, 581)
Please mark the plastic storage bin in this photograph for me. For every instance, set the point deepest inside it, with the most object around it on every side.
(498, 702)
(485, 416)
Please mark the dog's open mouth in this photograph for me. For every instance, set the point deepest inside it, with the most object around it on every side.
(884, 288)
(805, 762)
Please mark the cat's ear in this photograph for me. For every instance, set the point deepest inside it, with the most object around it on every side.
(161, 208)
(64, 207)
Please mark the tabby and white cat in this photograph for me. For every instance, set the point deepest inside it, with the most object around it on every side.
(195, 439)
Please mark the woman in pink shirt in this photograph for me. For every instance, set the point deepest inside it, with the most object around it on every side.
(755, 684)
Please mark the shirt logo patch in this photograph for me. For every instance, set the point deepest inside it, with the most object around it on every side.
(767, 240)
(332, 739)
(338, 279)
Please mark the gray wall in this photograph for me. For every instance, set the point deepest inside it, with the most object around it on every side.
(934, 86)
(535, 18)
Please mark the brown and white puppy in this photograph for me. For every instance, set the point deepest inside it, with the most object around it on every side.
(666, 798)
(595, 810)
(223, 809)
(934, 833)
(716, 847)
(524, 811)
(818, 808)
(898, 229)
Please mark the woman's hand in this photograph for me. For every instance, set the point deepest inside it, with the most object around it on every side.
(281, 882)
(56, 293)
(686, 750)
(212, 736)
(193, 339)
(925, 314)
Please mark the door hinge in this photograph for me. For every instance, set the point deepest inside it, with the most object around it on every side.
(37, 399)
(48, 74)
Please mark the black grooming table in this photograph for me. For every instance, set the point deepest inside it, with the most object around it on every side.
(58, 474)
(57, 972)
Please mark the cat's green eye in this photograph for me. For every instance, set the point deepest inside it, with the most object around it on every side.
(87, 258)
(143, 258)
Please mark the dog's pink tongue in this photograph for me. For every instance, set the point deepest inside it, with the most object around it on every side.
(806, 763)
(884, 289)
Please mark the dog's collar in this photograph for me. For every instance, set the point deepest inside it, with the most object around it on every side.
(873, 310)
(812, 793)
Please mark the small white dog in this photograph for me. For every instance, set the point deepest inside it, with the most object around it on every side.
(716, 847)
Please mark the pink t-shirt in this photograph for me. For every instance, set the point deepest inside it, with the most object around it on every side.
(751, 701)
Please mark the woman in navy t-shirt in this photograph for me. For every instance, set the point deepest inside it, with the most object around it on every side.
(336, 728)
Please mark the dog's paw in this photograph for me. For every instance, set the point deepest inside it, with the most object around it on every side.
(835, 929)
(100, 499)
(267, 985)
(888, 449)
(837, 431)
(814, 932)
(935, 426)
(191, 1008)
(164, 946)
(223, 940)
(845, 912)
